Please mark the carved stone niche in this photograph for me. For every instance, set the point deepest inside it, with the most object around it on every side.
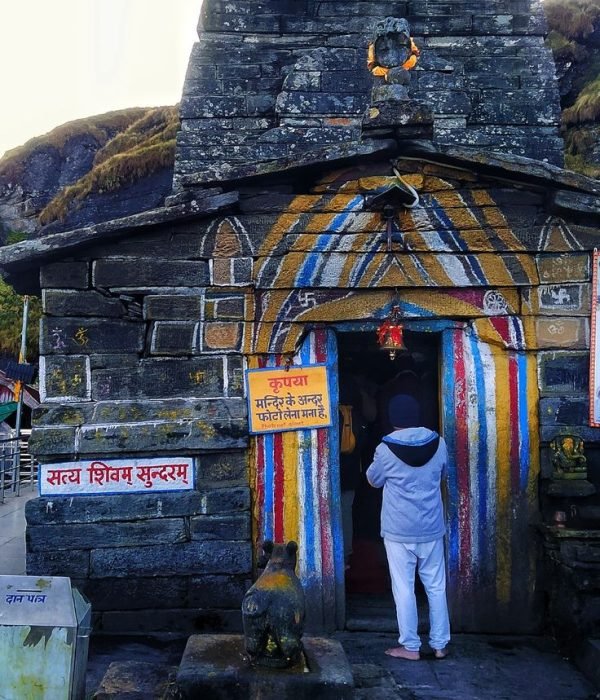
(569, 468)
(392, 55)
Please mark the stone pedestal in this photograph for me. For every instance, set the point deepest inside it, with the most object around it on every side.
(214, 667)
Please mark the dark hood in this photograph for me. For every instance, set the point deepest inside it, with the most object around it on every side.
(411, 454)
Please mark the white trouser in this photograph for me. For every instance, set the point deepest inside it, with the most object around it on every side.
(428, 557)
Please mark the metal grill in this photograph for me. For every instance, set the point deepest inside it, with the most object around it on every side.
(17, 468)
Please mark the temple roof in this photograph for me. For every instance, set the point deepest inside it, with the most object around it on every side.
(267, 83)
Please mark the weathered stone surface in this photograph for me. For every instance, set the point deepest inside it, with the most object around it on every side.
(563, 372)
(177, 559)
(557, 269)
(222, 336)
(564, 410)
(212, 663)
(169, 409)
(134, 680)
(235, 376)
(172, 307)
(225, 172)
(43, 538)
(224, 307)
(588, 434)
(19, 260)
(183, 620)
(136, 593)
(81, 303)
(218, 591)
(59, 441)
(157, 378)
(121, 360)
(173, 338)
(65, 378)
(162, 437)
(74, 563)
(560, 332)
(557, 300)
(224, 466)
(73, 414)
(150, 272)
(127, 507)
(65, 275)
(220, 527)
(87, 335)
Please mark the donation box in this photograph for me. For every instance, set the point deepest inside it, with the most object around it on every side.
(44, 637)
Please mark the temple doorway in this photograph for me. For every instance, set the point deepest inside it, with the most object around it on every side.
(368, 378)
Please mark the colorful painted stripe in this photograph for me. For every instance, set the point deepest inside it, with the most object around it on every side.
(490, 428)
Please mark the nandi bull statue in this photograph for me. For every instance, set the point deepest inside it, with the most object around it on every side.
(273, 610)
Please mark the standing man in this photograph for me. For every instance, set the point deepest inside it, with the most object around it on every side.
(410, 465)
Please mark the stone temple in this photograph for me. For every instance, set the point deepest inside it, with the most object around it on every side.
(314, 194)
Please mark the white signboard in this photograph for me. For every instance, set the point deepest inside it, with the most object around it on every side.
(90, 477)
(595, 346)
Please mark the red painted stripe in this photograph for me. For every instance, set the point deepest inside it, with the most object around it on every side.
(260, 486)
(278, 486)
(462, 462)
(500, 323)
(324, 500)
(513, 390)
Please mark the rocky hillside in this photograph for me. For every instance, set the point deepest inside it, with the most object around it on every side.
(575, 42)
(87, 171)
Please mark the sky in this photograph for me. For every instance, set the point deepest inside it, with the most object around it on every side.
(65, 59)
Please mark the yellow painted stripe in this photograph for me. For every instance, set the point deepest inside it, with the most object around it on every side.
(503, 524)
(496, 219)
(290, 486)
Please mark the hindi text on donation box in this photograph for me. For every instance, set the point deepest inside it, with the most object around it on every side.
(288, 399)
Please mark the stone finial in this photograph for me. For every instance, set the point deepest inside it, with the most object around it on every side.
(392, 51)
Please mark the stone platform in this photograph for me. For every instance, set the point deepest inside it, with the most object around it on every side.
(213, 667)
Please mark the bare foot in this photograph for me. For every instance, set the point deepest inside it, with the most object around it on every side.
(402, 653)
(440, 653)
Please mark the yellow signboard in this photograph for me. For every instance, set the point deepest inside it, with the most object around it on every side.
(288, 399)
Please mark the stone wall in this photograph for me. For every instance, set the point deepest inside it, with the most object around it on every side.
(140, 357)
(270, 80)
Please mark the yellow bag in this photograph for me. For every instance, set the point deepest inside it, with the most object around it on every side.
(347, 439)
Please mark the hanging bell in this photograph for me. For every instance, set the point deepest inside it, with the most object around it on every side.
(390, 334)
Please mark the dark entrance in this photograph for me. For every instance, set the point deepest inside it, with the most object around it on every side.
(367, 380)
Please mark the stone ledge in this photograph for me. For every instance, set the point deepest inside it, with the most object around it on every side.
(213, 666)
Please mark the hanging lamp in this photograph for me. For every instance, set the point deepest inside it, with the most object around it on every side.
(390, 334)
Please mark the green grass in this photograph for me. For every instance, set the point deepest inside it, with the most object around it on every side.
(102, 128)
(574, 19)
(587, 105)
(145, 147)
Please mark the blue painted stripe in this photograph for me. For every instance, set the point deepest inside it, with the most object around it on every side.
(417, 310)
(473, 261)
(334, 476)
(449, 431)
(307, 509)
(524, 443)
(518, 330)
(309, 269)
(482, 467)
(365, 260)
(448, 234)
(269, 478)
